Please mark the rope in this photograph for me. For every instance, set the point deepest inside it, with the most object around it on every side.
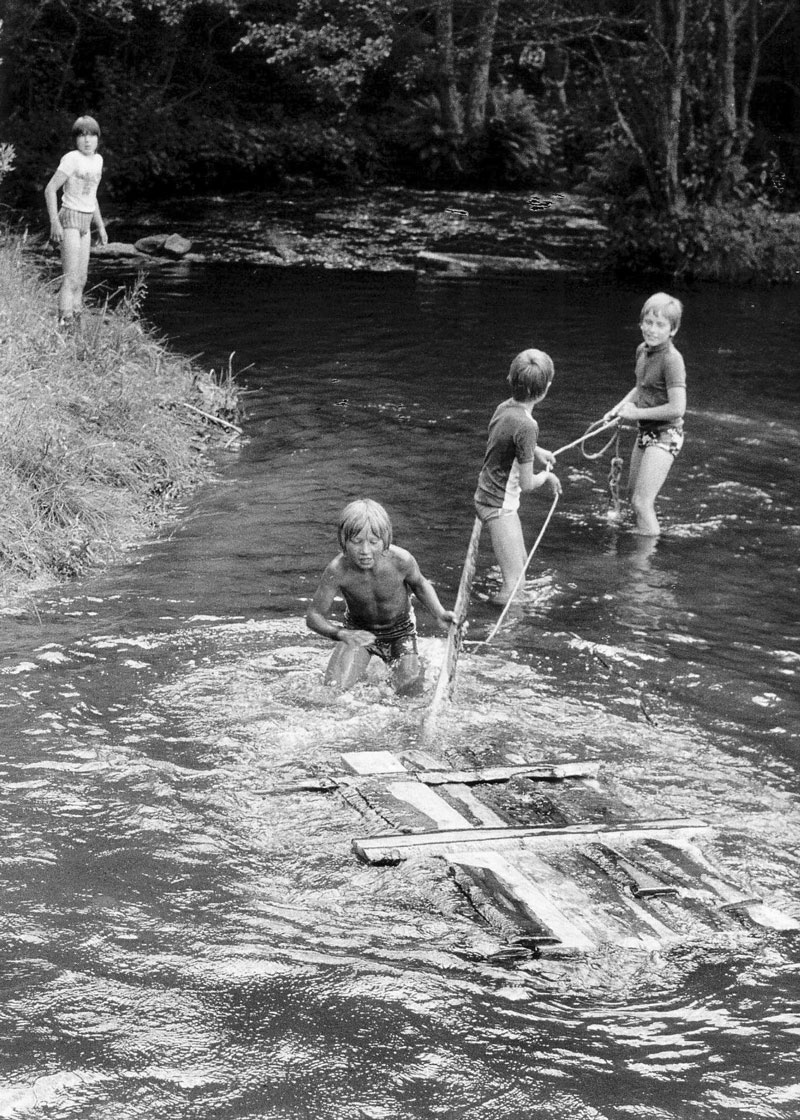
(604, 425)
(615, 476)
(594, 429)
(520, 578)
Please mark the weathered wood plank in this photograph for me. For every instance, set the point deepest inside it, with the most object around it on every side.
(543, 772)
(524, 898)
(373, 762)
(643, 884)
(690, 860)
(427, 801)
(607, 916)
(478, 809)
(372, 848)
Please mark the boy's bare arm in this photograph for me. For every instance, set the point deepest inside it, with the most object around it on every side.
(57, 180)
(425, 591)
(529, 481)
(672, 410)
(615, 411)
(100, 225)
(321, 604)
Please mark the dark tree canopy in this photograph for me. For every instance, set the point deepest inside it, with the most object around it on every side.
(665, 104)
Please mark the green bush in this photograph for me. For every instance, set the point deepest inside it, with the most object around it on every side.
(707, 243)
(516, 148)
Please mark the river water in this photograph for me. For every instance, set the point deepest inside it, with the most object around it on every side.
(178, 943)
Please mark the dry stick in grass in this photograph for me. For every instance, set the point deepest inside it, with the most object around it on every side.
(447, 673)
(214, 419)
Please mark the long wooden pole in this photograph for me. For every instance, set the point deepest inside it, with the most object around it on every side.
(447, 673)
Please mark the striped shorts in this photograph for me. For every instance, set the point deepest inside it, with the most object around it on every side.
(75, 219)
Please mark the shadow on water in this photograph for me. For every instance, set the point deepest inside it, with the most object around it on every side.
(180, 942)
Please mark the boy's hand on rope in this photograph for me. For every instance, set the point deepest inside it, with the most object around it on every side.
(553, 481)
(546, 458)
(628, 411)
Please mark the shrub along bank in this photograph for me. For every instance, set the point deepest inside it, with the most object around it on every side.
(104, 430)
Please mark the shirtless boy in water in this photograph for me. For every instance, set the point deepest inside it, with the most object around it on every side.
(376, 579)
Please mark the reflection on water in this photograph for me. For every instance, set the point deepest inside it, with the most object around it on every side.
(180, 940)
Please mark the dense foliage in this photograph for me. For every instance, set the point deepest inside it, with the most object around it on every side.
(680, 107)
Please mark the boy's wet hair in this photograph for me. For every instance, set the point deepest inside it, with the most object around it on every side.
(666, 305)
(364, 514)
(530, 374)
(87, 125)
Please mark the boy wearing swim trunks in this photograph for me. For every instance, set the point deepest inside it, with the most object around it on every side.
(376, 580)
(658, 402)
(507, 470)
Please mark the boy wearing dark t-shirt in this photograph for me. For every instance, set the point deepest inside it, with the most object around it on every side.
(507, 470)
(658, 403)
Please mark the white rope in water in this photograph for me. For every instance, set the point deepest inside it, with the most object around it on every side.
(521, 576)
(588, 434)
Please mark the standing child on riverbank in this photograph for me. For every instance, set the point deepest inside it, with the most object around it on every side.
(79, 174)
(658, 402)
(507, 470)
(375, 578)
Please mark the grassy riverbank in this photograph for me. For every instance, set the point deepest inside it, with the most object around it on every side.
(103, 432)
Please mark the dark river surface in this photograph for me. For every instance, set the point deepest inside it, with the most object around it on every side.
(179, 944)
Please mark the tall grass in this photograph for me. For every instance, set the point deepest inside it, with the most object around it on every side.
(102, 431)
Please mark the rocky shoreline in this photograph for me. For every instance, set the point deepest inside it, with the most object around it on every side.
(381, 230)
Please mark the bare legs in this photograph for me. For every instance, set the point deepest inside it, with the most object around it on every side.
(649, 470)
(75, 269)
(509, 548)
(348, 665)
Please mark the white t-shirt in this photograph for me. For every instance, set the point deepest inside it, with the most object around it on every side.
(83, 176)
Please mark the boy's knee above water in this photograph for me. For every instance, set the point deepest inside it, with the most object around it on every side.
(408, 676)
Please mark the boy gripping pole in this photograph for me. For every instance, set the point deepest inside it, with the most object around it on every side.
(376, 579)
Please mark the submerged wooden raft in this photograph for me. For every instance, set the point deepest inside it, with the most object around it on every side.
(561, 871)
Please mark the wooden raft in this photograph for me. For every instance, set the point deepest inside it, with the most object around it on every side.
(568, 885)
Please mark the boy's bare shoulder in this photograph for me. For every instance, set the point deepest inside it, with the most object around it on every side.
(402, 559)
(336, 569)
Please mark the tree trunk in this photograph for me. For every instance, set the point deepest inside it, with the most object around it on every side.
(726, 114)
(446, 52)
(673, 47)
(478, 94)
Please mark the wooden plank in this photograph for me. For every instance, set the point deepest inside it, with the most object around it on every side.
(474, 805)
(372, 849)
(363, 764)
(540, 772)
(689, 858)
(455, 635)
(643, 884)
(608, 917)
(373, 762)
(510, 883)
(430, 803)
